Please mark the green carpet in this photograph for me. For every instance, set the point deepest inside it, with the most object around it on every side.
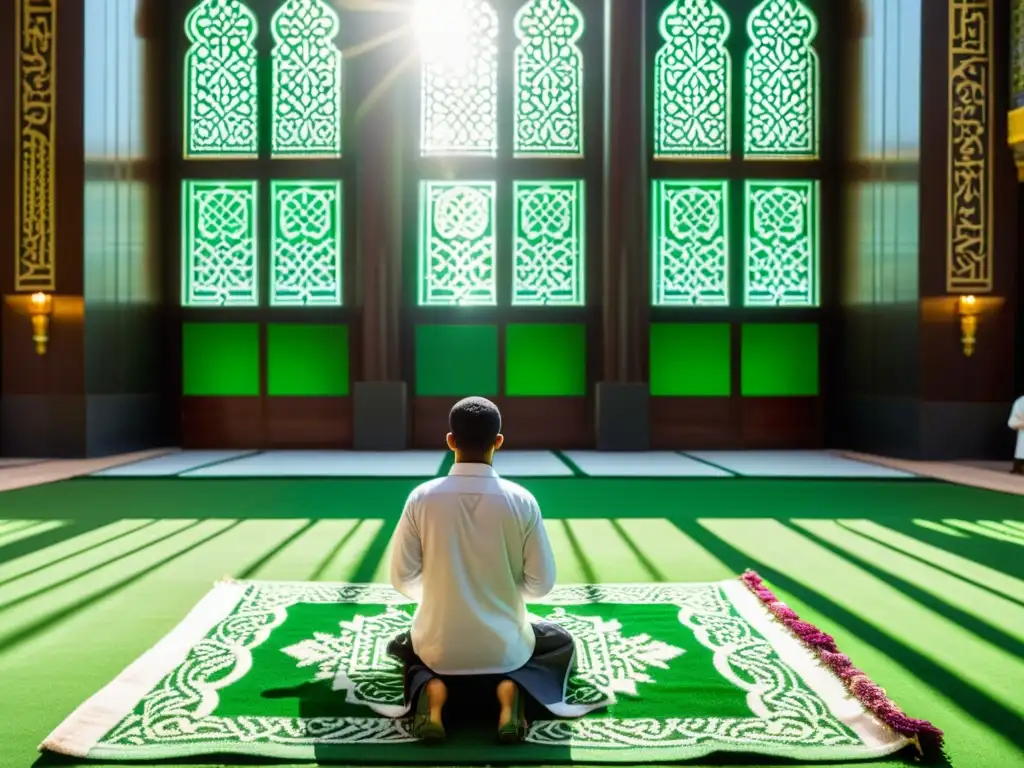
(299, 671)
(922, 583)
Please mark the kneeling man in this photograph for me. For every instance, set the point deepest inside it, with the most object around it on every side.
(470, 548)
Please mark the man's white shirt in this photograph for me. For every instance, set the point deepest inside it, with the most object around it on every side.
(470, 548)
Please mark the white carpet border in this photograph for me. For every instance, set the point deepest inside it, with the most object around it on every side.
(83, 729)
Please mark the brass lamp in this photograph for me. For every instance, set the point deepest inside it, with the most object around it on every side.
(40, 307)
(967, 308)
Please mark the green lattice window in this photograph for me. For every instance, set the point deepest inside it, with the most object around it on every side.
(549, 243)
(548, 79)
(781, 244)
(690, 243)
(219, 243)
(306, 80)
(781, 71)
(220, 80)
(692, 77)
(306, 246)
(457, 244)
(458, 42)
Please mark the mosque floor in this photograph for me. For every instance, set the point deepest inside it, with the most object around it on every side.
(921, 582)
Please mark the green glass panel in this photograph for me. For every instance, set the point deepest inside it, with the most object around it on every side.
(307, 360)
(456, 360)
(218, 239)
(549, 243)
(548, 79)
(779, 360)
(306, 80)
(457, 243)
(1017, 54)
(220, 359)
(220, 80)
(307, 244)
(546, 360)
(458, 42)
(690, 243)
(782, 244)
(690, 360)
(781, 81)
(692, 80)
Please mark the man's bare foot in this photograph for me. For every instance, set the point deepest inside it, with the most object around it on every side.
(511, 718)
(437, 695)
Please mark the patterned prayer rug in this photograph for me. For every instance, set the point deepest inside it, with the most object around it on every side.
(299, 672)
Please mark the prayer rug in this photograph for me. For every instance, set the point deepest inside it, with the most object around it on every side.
(298, 671)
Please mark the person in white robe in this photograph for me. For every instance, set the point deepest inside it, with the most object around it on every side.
(470, 549)
(1016, 422)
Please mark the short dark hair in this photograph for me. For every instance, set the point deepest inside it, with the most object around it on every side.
(474, 423)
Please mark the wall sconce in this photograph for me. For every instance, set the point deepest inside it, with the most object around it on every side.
(40, 307)
(967, 308)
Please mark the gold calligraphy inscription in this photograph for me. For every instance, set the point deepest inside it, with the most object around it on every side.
(35, 145)
(969, 254)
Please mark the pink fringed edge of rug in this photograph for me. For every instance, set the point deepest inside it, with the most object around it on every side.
(862, 687)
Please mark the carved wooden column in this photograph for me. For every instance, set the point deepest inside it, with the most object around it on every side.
(44, 404)
(380, 398)
(622, 398)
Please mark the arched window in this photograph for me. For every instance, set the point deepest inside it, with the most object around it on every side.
(220, 75)
(708, 217)
(781, 73)
(548, 79)
(459, 95)
(306, 87)
(692, 77)
(222, 231)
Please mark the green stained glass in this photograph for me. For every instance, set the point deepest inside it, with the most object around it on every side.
(459, 98)
(220, 80)
(782, 244)
(306, 88)
(781, 81)
(548, 79)
(457, 243)
(549, 243)
(692, 78)
(690, 243)
(219, 262)
(306, 246)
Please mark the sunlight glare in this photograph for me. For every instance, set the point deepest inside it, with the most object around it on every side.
(443, 30)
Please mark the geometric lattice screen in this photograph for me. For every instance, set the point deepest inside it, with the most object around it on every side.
(219, 244)
(691, 248)
(306, 246)
(693, 81)
(457, 243)
(221, 235)
(690, 243)
(781, 243)
(549, 243)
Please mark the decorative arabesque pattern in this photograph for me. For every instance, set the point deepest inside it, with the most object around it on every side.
(220, 80)
(548, 243)
(306, 246)
(691, 243)
(459, 112)
(306, 88)
(1017, 54)
(219, 250)
(692, 79)
(457, 244)
(969, 249)
(782, 244)
(548, 79)
(35, 185)
(781, 81)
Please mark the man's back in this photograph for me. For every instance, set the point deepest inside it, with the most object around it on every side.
(470, 547)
